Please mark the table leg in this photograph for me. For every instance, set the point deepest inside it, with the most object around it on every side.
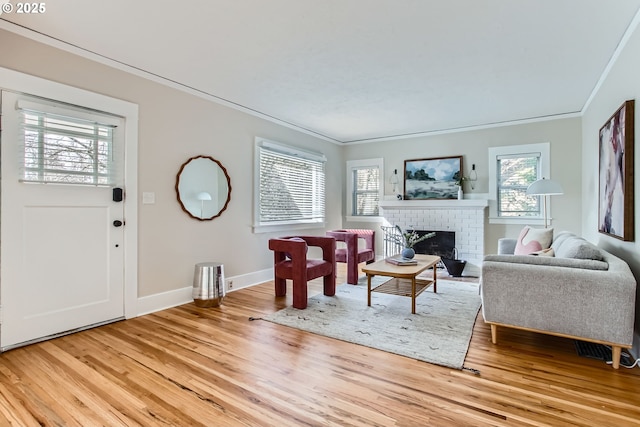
(369, 290)
(435, 279)
(413, 295)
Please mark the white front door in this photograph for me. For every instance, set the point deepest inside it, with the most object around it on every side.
(62, 257)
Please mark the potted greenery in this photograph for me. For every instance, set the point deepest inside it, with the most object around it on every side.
(408, 239)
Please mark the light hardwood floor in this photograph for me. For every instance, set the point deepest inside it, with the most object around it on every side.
(190, 366)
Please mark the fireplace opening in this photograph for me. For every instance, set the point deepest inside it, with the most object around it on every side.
(442, 244)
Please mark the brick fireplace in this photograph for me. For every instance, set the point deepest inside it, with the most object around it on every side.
(467, 218)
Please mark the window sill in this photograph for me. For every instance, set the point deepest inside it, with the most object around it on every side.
(518, 220)
(351, 218)
(275, 228)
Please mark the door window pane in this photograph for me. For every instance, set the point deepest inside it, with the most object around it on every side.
(66, 150)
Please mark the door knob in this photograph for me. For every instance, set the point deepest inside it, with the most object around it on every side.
(117, 223)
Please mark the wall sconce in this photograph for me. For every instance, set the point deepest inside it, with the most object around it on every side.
(394, 181)
(472, 178)
(202, 196)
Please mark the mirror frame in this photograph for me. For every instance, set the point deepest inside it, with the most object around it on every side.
(224, 170)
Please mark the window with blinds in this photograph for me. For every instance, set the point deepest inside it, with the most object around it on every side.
(68, 150)
(291, 185)
(514, 174)
(366, 191)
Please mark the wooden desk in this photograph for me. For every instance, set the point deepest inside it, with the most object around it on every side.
(410, 286)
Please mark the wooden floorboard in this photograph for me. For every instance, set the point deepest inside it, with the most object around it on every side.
(190, 366)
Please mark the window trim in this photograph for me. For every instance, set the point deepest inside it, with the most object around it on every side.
(359, 164)
(57, 110)
(260, 227)
(515, 150)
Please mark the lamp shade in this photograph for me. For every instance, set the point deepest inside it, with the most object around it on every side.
(544, 187)
(203, 195)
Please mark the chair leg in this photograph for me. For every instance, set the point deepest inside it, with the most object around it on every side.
(280, 286)
(352, 273)
(330, 284)
(300, 294)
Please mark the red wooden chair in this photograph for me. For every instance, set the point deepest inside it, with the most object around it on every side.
(352, 254)
(291, 262)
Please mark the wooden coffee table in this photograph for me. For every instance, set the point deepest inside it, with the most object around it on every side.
(406, 283)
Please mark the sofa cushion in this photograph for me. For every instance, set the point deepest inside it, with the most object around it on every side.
(506, 245)
(544, 252)
(559, 238)
(578, 248)
(522, 260)
(533, 240)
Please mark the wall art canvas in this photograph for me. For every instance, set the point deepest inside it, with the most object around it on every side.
(435, 178)
(615, 210)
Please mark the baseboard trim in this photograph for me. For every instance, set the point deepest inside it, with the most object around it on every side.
(248, 280)
(164, 300)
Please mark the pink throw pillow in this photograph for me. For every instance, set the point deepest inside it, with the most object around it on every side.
(533, 240)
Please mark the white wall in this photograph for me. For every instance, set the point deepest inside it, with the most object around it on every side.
(174, 126)
(564, 136)
(621, 84)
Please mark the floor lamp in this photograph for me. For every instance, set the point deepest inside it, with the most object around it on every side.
(203, 196)
(545, 188)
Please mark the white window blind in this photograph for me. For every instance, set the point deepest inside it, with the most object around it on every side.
(291, 185)
(366, 191)
(514, 174)
(66, 148)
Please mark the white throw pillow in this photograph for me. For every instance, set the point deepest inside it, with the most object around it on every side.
(533, 240)
(545, 252)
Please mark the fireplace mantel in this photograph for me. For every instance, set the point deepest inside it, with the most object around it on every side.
(434, 204)
(465, 217)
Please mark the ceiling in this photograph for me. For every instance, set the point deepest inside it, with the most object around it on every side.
(356, 70)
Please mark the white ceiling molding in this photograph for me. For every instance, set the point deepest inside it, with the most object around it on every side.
(84, 53)
(625, 39)
(356, 71)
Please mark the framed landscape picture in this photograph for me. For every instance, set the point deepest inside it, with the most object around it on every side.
(615, 202)
(434, 178)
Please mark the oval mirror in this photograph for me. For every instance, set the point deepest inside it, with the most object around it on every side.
(203, 188)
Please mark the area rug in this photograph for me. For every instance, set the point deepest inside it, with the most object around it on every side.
(438, 333)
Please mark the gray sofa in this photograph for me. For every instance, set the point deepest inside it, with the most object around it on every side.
(582, 292)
